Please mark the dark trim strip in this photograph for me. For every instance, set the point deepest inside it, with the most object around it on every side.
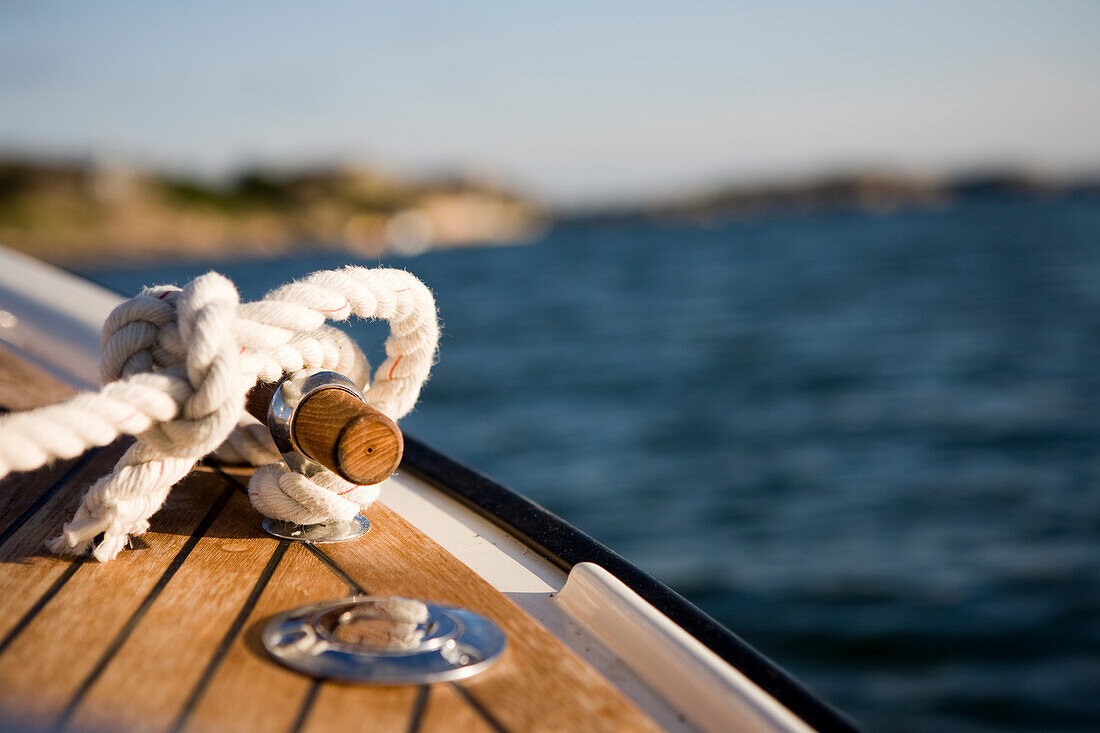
(230, 636)
(306, 706)
(565, 546)
(47, 495)
(481, 709)
(146, 604)
(40, 604)
(416, 717)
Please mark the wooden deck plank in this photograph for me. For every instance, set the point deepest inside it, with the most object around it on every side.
(147, 684)
(20, 492)
(47, 668)
(166, 637)
(249, 691)
(446, 710)
(24, 385)
(341, 707)
(539, 684)
(27, 570)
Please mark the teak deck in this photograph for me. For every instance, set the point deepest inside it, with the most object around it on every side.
(166, 637)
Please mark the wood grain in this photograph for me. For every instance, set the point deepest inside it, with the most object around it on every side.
(153, 672)
(446, 710)
(27, 570)
(20, 491)
(166, 636)
(336, 429)
(339, 431)
(341, 707)
(258, 399)
(24, 385)
(45, 667)
(539, 684)
(248, 691)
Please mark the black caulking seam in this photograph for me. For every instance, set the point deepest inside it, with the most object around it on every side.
(45, 598)
(481, 709)
(306, 708)
(146, 604)
(353, 585)
(230, 635)
(47, 495)
(417, 714)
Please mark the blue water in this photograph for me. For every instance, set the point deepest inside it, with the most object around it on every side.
(867, 444)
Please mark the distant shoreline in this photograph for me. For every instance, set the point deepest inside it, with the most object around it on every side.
(75, 213)
(869, 192)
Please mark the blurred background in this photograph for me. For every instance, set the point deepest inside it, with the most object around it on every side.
(797, 306)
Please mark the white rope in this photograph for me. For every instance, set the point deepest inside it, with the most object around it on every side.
(177, 364)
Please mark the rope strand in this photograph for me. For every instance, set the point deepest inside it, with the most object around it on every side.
(177, 364)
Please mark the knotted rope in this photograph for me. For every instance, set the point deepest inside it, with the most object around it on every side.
(177, 364)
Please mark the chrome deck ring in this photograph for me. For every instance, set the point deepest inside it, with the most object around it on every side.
(384, 641)
(357, 526)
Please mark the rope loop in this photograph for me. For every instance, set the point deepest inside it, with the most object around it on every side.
(177, 365)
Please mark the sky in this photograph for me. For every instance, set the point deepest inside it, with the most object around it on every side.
(576, 103)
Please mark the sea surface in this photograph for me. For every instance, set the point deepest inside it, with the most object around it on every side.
(868, 444)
